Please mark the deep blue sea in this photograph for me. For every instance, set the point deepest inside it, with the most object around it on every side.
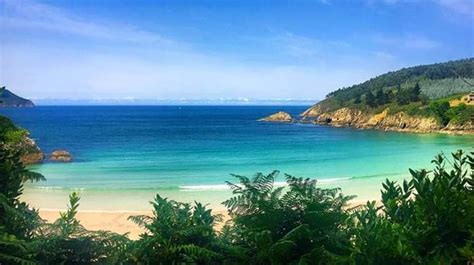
(178, 149)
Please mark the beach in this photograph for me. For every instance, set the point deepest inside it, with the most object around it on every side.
(122, 156)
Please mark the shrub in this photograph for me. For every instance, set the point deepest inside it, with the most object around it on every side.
(428, 220)
(177, 233)
(281, 226)
(66, 241)
(17, 221)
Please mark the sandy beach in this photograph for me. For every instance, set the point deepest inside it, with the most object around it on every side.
(118, 221)
(113, 221)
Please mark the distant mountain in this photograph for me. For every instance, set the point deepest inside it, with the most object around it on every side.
(8, 99)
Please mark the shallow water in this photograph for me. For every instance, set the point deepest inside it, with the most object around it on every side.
(123, 155)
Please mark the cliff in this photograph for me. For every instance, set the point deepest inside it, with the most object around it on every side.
(384, 120)
(9, 99)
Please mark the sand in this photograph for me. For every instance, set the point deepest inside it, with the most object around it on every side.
(112, 221)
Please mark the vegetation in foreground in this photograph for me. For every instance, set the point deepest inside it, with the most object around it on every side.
(428, 219)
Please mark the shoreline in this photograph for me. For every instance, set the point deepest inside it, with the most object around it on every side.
(117, 221)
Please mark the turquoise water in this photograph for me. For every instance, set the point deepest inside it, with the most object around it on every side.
(187, 152)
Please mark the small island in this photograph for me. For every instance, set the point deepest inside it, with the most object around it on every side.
(280, 116)
(9, 100)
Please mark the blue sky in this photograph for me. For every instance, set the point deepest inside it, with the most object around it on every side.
(221, 50)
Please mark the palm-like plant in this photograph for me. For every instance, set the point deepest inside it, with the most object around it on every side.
(66, 241)
(288, 224)
(176, 233)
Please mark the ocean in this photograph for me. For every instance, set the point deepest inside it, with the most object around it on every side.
(123, 155)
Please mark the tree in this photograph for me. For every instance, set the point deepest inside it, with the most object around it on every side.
(439, 111)
(402, 96)
(381, 98)
(370, 100)
(357, 99)
(415, 93)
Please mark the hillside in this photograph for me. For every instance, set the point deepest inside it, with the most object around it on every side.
(9, 99)
(407, 98)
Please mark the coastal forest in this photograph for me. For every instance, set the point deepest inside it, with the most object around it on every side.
(426, 219)
(437, 91)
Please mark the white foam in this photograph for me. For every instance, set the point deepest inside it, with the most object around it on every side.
(219, 187)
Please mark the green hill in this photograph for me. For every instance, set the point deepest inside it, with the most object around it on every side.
(423, 91)
(9, 99)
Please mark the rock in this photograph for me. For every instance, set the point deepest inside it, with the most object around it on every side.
(61, 156)
(347, 117)
(278, 117)
(30, 152)
(32, 158)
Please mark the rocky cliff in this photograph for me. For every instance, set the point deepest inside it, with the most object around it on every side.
(400, 121)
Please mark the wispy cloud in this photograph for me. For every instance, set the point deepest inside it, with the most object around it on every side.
(138, 63)
(408, 42)
(30, 15)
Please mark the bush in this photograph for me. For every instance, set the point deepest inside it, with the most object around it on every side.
(176, 234)
(66, 241)
(427, 220)
(282, 226)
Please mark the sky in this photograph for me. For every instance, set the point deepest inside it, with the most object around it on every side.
(113, 51)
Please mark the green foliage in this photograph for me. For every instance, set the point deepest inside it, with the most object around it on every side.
(177, 233)
(439, 111)
(453, 69)
(281, 226)
(460, 114)
(17, 221)
(427, 220)
(436, 89)
(404, 87)
(66, 241)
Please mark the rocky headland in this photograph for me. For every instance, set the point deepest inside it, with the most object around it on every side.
(9, 99)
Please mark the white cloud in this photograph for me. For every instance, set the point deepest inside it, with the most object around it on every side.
(407, 41)
(143, 69)
(34, 16)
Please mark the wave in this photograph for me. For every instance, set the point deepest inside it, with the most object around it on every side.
(221, 187)
(57, 188)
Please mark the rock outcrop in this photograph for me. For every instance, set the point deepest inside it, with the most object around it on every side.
(278, 117)
(60, 156)
(400, 121)
(30, 152)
